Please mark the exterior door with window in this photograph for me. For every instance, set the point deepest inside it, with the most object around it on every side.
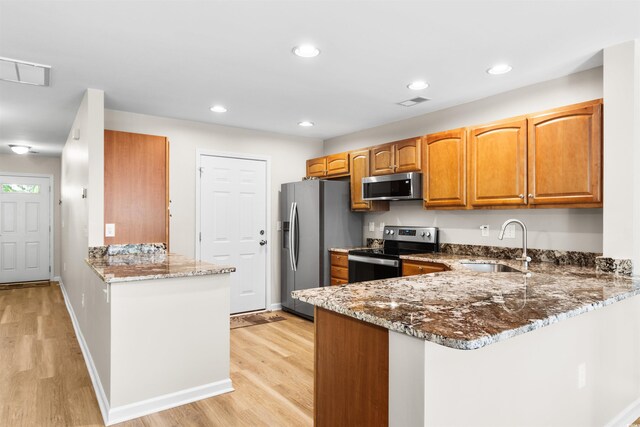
(24, 229)
(233, 225)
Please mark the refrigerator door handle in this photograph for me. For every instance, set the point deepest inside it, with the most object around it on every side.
(296, 236)
(291, 237)
(292, 233)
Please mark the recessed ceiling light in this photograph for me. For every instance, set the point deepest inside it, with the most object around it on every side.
(218, 109)
(499, 69)
(20, 149)
(306, 51)
(305, 124)
(418, 85)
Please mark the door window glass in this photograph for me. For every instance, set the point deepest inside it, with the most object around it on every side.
(21, 188)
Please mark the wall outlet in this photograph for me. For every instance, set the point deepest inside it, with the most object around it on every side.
(510, 231)
(82, 302)
(109, 230)
(372, 226)
(278, 225)
(582, 375)
(484, 229)
(381, 226)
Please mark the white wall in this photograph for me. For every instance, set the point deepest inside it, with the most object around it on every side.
(564, 229)
(622, 151)
(78, 164)
(45, 165)
(288, 155)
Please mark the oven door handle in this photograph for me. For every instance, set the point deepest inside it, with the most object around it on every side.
(372, 260)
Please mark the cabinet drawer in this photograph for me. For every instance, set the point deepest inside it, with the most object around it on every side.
(335, 281)
(339, 259)
(340, 272)
(412, 268)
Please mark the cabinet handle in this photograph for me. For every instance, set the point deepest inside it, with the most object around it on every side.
(530, 196)
(521, 196)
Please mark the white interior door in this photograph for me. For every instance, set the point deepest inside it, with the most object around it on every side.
(233, 225)
(24, 229)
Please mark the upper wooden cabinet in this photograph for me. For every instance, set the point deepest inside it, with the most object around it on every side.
(565, 155)
(444, 160)
(498, 164)
(331, 166)
(359, 164)
(396, 157)
(317, 166)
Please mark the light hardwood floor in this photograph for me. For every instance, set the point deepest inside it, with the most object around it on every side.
(44, 380)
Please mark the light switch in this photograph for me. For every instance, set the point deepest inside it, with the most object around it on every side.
(372, 226)
(381, 226)
(109, 230)
(510, 231)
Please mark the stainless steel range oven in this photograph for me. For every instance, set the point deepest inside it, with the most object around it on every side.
(385, 262)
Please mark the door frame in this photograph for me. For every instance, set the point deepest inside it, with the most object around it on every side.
(51, 216)
(243, 156)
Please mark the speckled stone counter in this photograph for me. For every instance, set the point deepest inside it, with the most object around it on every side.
(145, 266)
(467, 310)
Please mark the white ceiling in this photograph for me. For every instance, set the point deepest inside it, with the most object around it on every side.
(177, 58)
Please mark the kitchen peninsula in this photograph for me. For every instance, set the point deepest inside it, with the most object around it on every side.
(556, 346)
(159, 334)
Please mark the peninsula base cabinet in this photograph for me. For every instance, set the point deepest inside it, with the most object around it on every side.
(366, 375)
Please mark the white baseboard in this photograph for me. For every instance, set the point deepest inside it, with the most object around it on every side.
(57, 279)
(275, 307)
(167, 401)
(627, 416)
(103, 402)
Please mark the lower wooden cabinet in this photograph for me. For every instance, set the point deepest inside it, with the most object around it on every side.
(412, 268)
(339, 268)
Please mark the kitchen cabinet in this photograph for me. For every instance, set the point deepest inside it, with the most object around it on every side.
(497, 166)
(359, 166)
(412, 268)
(136, 187)
(444, 160)
(339, 268)
(331, 166)
(396, 157)
(565, 155)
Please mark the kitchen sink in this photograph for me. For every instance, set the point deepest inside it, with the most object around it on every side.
(489, 268)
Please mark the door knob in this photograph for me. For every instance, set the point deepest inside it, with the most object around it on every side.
(263, 242)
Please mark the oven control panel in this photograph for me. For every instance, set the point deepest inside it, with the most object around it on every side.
(411, 234)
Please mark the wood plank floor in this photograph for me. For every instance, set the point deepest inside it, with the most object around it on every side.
(44, 380)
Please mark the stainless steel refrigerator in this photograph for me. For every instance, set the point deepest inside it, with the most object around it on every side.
(316, 216)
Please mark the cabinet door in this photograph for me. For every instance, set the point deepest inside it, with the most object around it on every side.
(383, 159)
(338, 164)
(408, 155)
(317, 167)
(565, 155)
(498, 164)
(359, 164)
(445, 169)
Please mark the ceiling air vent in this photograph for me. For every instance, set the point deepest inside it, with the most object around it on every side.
(413, 101)
(13, 70)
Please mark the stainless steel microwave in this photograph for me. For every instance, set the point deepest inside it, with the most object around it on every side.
(398, 186)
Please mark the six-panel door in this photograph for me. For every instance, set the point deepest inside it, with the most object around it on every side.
(565, 155)
(498, 164)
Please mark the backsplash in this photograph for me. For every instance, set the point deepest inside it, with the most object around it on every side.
(129, 249)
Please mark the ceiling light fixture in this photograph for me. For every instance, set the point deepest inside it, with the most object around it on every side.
(20, 149)
(218, 109)
(306, 51)
(499, 69)
(418, 85)
(306, 124)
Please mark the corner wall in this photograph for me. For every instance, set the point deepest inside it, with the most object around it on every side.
(44, 165)
(288, 163)
(561, 229)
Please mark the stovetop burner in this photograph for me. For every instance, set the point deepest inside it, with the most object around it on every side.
(403, 241)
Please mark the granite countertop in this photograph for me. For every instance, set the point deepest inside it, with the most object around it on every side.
(147, 266)
(467, 310)
(346, 250)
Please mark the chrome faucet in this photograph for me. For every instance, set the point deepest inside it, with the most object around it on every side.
(524, 258)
